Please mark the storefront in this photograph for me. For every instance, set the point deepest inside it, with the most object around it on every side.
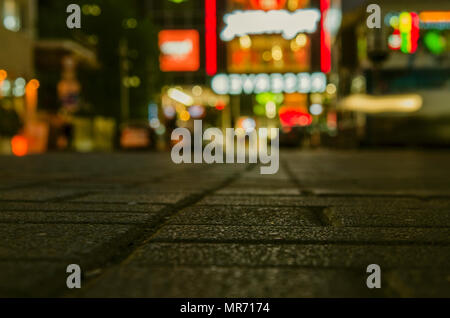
(277, 70)
(401, 75)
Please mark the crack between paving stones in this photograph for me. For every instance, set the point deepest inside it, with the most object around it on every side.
(319, 212)
(147, 231)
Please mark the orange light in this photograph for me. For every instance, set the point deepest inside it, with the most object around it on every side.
(19, 145)
(435, 16)
(3, 75)
(33, 84)
(31, 95)
(185, 116)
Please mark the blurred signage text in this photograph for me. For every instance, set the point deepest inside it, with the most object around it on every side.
(288, 24)
(236, 84)
(180, 50)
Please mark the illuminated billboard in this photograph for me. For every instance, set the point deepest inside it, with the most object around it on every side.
(180, 50)
(286, 23)
(270, 36)
(237, 84)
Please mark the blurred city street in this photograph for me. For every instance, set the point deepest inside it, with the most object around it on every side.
(332, 116)
(140, 226)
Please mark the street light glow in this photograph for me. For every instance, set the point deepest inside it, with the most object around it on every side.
(180, 97)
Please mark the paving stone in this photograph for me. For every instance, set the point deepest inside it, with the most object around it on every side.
(311, 230)
(63, 242)
(419, 283)
(233, 282)
(6, 184)
(295, 255)
(378, 191)
(236, 215)
(24, 279)
(131, 197)
(79, 218)
(258, 191)
(312, 201)
(208, 233)
(262, 184)
(89, 185)
(387, 217)
(78, 207)
(37, 194)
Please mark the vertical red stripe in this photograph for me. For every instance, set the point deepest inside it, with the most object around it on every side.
(211, 36)
(325, 39)
(415, 32)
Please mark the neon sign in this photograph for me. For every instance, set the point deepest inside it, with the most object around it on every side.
(409, 30)
(236, 84)
(288, 24)
(325, 38)
(180, 50)
(435, 20)
(406, 33)
(211, 36)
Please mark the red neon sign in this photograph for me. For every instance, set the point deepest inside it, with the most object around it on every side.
(180, 50)
(211, 36)
(415, 31)
(325, 39)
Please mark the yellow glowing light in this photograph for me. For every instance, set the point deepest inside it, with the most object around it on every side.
(331, 89)
(294, 46)
(277, 53)
(181, 97)
(180, 108)
(293, 5)
(86, 9)
(130, 23)
(271, 110)
(134, 81)
(267, 56)
(95, 10)
(245, 42)
(185, 116)
(301, 40)
(197, 91)
(373, 104)
(405, 22)
(316, 99)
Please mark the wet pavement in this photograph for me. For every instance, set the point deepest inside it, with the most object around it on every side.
(140, 226)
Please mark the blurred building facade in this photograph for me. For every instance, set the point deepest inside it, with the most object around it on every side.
(18, 88)
(259, 78)
(184, 59)
(397, 78)
(17, 31)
